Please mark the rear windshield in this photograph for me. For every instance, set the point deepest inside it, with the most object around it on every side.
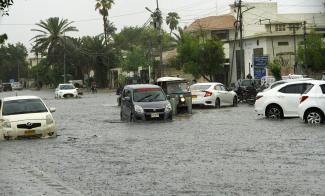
(23, 106)
(66, 87)
(148, 95)
(176, 87)
(200, 87)
(277, 84)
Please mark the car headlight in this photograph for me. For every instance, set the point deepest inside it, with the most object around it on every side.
(6, 124)
(168, 107)
(138, 109)
(182, 99)
(49, 119)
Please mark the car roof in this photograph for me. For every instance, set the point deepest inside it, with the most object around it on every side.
(19, 98)
(139, 86)
(301, 81)
(207, 83)
(167, 79)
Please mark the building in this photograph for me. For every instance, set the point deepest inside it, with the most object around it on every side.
(216, 27)
(268, 35)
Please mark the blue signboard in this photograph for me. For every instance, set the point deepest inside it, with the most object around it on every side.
(260, 65)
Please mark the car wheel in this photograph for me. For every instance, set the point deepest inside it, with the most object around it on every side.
(235, 102)
(314, 117)
(217, 103)
(274, 112)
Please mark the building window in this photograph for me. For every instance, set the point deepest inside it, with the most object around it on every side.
(220, 34)
(258, 42)
(292, 26)
(283, 43)
(280, 27)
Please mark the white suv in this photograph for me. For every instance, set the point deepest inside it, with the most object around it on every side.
(312, 104)
(283, 100)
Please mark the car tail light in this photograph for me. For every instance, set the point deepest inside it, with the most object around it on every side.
(207, 93)
(303, 98)
(258, 97)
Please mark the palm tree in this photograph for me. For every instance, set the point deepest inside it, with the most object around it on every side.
(172, 20)
(103, 6)
(52, 34)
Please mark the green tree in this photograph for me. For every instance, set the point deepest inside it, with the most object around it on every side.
(12, 62)
(103, 6)
(4, 5)
(315, 52)
(52, 38)
(172, 21)
(134, 59)
(200, 58)
(275, 68)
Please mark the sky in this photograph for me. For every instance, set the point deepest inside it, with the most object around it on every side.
(25, 13)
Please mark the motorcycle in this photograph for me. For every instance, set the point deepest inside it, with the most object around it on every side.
(247, 95)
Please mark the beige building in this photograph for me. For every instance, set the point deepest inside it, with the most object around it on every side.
(271, 35)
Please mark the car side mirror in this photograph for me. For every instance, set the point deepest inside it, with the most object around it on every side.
(52, 110)
(168, 97)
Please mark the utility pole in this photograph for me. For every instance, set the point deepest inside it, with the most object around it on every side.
(294, 48)
(241, 56)
(305, 46)
(64, 64)
(157, 20)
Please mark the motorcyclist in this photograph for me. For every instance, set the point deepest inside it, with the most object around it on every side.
(93, 87)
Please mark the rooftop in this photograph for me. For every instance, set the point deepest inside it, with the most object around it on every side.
(212, 23)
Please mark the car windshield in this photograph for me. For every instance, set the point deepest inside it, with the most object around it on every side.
(200, 87)
(177, 87)
(23, 106)
(148, 95)
(66, 87)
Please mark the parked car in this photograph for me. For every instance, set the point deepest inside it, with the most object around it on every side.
(283, 100)
(312, 104)
(212, 94)
(144, 102)
(26, 116)
(6, 86)
(66, 91)
(277, 83)
(179, 90)
(16, 86)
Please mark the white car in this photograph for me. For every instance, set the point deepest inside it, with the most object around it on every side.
(212, 94)
(312, 104)
(283, 100)
(277, 83)
(66, 91)
(26, 116)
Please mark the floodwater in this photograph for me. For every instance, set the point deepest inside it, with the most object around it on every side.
(227, 151)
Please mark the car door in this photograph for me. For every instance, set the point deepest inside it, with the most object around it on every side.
(126, 103)
(220, 94)
(228, 97)
(289, 97)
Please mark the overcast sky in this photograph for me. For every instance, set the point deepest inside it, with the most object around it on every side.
(25, 13)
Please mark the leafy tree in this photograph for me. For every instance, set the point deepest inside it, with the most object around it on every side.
(315, 51)
(275, 68)
(172, 21)
(4, 5)
(52, 38)
(12, 62)
(200, 58)
(134, 59)
(3, 38)
(103, 6)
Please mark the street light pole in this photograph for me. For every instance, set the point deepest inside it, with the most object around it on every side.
(64, 64)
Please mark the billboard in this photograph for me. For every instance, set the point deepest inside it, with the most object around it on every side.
(260, 65)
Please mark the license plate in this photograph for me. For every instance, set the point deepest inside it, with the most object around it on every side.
(194, 96)
(30, 132)
(155, 115)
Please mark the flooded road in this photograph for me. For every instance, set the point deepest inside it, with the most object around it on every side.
(227, 151)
